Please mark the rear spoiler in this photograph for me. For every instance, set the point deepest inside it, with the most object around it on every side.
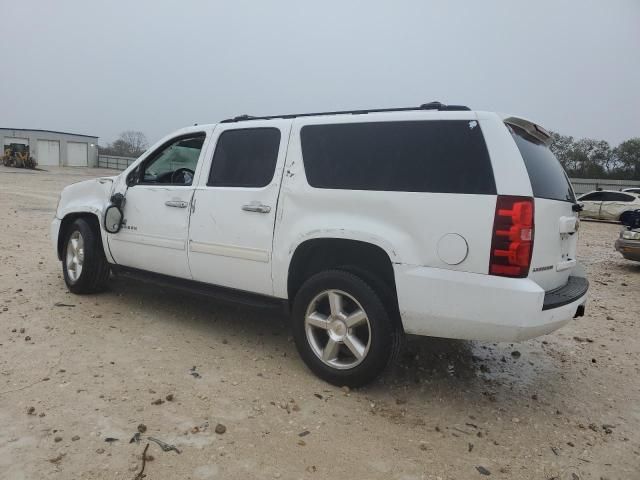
(531, 128)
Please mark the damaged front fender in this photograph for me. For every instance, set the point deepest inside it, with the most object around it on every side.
(87, 197)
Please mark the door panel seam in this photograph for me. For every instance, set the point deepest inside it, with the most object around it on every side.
(232, 251)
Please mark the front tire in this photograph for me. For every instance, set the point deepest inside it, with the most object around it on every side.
(624, 217)
(342, 329)
(84, 265)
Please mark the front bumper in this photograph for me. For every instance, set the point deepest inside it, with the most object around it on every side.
(630, 249)
(468, 306)
(54, 231)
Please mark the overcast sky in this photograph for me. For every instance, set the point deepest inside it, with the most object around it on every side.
(103, 67)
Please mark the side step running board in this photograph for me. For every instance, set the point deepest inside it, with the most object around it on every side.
(204, 289)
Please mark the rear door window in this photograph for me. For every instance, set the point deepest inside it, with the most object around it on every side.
(616, 197)
(548, 178)
(245, 158)
(448, 156)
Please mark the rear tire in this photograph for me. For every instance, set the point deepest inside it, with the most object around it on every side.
(84, 265)
(342, 329)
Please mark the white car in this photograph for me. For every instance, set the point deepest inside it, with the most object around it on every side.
(608, 205)
(634, 190)
(435, 220)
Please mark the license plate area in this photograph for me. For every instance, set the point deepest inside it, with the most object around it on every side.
(568, 226)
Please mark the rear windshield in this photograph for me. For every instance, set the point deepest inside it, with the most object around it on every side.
(548, 178)
(448, 156)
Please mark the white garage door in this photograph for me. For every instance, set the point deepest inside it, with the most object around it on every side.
(9, 140)
(48, 152)
(77, 154)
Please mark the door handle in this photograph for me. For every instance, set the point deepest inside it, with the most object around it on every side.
(176, 203)
(256, 207)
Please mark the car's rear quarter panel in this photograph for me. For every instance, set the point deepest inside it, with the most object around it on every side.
(509, 171)
(407, 225)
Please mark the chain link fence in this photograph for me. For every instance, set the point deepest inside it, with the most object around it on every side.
(584, 185)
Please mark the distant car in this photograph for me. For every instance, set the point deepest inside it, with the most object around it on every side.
(608, 205)
(635, 190)
(628, 244)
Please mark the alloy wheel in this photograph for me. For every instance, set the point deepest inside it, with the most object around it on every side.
(75, 256)
(337, 329)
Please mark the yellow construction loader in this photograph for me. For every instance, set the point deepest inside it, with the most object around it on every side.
(17, 155)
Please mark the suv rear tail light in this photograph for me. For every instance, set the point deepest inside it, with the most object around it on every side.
(512, 241)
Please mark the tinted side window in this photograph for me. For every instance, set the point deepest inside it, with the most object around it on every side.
(245, 158)
(448, 156)
(617, 197)
(548, 178)
(594, 197)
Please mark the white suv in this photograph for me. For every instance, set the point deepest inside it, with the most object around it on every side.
(435, 220)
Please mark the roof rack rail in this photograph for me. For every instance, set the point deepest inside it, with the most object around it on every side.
(443, 107)
(425, 106)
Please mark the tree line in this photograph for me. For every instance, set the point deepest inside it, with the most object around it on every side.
(589, 158)
(130, 143)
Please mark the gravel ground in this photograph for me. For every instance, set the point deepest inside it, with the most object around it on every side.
(76, 371)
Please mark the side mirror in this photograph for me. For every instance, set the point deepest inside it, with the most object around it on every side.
(113, 219)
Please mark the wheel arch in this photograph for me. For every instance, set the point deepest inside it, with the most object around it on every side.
(90, 215)
(625, 214)
(361, 257)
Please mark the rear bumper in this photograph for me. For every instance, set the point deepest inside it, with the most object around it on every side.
(575, 288)
(630, 249)
(451, 304)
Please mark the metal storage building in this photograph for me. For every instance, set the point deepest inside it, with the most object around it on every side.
(51, 148)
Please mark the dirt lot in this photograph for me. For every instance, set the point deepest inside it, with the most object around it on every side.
(564, 406)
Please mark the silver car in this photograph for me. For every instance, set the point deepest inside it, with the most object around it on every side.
(608, 205)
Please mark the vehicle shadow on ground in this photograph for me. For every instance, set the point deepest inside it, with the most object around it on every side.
(212, 316)
(463, 364)
(446, 364)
